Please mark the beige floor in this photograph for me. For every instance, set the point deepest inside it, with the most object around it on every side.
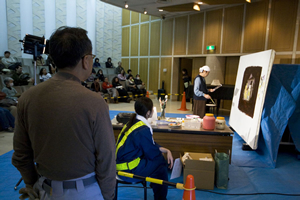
(6, 138)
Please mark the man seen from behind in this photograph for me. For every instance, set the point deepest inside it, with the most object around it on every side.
(64, 145)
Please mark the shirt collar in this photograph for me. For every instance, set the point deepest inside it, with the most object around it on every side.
(66, 76)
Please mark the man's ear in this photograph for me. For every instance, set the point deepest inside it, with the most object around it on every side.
(85, 63)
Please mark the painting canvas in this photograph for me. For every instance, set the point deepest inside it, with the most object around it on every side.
(249, 90)
(249, 95)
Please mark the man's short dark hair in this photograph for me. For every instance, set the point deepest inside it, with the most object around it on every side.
(96, 78)
(17, 65)
(129, 71)
(68, 45)
(6, 52)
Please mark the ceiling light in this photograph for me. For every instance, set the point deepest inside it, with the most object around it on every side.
(200, 2)
(145, 11)
(160, 10)
(196, 7)
(126, 5)
(249, 1)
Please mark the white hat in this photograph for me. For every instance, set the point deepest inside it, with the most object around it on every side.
(204, 68)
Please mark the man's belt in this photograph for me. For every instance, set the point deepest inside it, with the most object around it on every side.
(69, 184)
(128, 165)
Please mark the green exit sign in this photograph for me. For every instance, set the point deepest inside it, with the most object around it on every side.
(211, 47)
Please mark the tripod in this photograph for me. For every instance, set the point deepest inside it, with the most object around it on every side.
(16, 186)
(35, 55)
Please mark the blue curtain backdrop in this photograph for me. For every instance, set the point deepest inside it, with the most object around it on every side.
(281, 109)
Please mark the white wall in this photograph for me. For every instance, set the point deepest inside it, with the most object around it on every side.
(26, 21)
(91, 22)
(49, 19)
(57, 13)
(71, 10)
(3, 32)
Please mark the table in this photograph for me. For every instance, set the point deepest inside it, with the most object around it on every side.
(179, 140)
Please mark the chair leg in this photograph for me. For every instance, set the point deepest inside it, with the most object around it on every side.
(116, 191)
(145, 189)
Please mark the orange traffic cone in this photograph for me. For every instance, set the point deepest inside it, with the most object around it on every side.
(147, 95)
(189, 189)
(183, 103)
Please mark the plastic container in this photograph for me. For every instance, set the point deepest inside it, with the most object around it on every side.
(220, 123)
(192, 124)
(209, 121)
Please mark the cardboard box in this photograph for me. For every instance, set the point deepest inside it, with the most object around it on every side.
(203, 171)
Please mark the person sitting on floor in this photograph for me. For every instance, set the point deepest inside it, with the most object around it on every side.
(122, 76)
(136, 145)
(109, 64)
(21, 78)
(122, 91)
(108, 88)
(7, 120)
(44, 75)
(96, 63)
(11, 93)
(100, 75)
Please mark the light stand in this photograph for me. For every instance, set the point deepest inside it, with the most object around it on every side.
(36, 46)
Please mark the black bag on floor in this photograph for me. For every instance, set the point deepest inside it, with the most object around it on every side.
(123, 117)
(222, 169)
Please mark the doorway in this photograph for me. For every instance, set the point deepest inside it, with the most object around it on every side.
(184, 63)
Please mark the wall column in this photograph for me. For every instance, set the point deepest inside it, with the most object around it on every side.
(217, 68)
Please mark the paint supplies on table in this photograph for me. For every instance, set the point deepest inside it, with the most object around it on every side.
(220, 123)
(209, 121)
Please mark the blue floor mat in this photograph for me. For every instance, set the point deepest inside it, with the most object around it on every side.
(285, 178)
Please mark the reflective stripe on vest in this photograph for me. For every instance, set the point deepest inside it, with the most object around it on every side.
(132, 164)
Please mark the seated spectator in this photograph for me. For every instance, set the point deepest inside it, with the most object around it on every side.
(92, 76)
(96, 63)
(84, 83)
(121, 90)
(44, 75)
(7, 60)
(100, 75)
(119, 68)
(140, 84)
(132, 86)
(108, 88)
(40, 61)
(122, 76)
(109, 64)
(11, 93)
(128, 73)
(140, 148)
(95, 85)
(52, 69)
(51, 65)
(21, 78)
(7, 121)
